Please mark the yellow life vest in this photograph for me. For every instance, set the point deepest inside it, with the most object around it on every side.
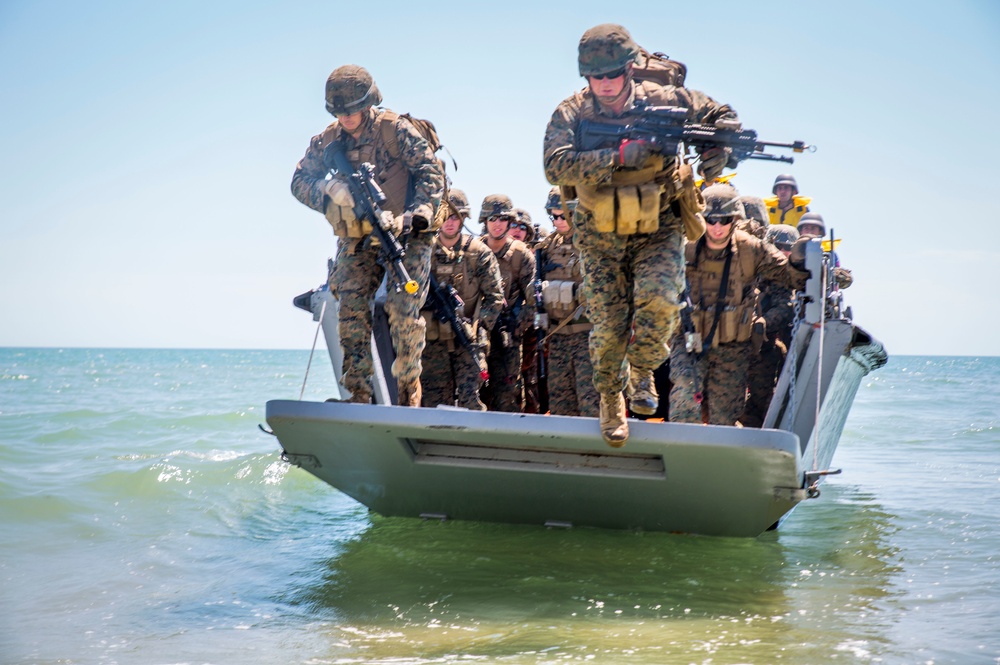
(800, 206)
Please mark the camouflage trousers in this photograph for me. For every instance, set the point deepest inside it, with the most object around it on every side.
(721, 375)
(762, 375)
(570, 376)
(630, 279)
(505, 391)
(450, 373)
(355, 278)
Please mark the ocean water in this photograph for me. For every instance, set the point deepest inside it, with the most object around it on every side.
(146, 519)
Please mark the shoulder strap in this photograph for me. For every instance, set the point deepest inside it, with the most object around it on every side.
(720, 304)
(386, 121)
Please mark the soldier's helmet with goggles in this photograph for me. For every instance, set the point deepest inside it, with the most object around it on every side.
(459, 203)
(497, 205)
(606, 49)
(722, 201)
(782, 236)
(350, 89)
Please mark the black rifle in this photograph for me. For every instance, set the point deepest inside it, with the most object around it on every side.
(666, 128)
(541, 318)
(507, 323)
(445, 303)
(368, 201)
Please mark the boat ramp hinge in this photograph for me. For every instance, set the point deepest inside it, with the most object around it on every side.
(301, 460)
(812, 477)
(789, 494)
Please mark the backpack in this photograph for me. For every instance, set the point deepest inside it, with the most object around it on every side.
(659, 69)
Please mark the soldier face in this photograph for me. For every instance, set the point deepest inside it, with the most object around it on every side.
(559, 220)
(518, 231)
(810, 230)
(717, 235)
(351, 123)
(784, 194)
(451, 227)
(608, 87)
(497, 227)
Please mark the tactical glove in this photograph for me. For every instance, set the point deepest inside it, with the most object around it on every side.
(339, 192)
(632, 154)
(797, 257)
(713, 161)
(391, 223)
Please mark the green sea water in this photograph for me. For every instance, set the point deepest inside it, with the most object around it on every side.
(146, 519)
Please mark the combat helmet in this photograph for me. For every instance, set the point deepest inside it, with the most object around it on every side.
(785, 179)
(815, 219)
(754, 208)
(606, 48)
(497, 205)
(459, 202)
(722, 201)
(782, 236)
(554, 200)
(524, 217)
(350, 89)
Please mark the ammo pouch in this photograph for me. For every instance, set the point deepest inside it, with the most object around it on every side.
(436, 331)
(560, 298)
(630, 204)
(344, 223)
(736, 324)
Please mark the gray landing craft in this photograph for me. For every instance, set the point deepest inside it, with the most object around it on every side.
(450, 463)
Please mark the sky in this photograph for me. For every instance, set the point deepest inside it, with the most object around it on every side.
(146, 149)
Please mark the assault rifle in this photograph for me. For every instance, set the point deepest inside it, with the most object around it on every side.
(666, 128)
(368, 201)
(541, 317)
(507, 323)
(445, 303)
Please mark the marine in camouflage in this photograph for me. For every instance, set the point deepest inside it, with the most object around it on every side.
(720, 375)
(633, 281)
(451, 375)
(357, 274)
(570, 376)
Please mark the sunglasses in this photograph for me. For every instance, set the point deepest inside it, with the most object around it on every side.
(725, 221)
(519, 225)
(498, 218)
(559, 216)
(610, 75)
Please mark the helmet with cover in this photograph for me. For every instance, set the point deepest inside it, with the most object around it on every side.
(722, 201)
(554, 200)
(497, 205)
(754, 208)
(606, 48)
(350, 89)
(782, 236)
(459, 202)
(524, 218)
(785, 179)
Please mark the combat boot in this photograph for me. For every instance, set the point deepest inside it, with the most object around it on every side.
(643, 398)
(360, 397)
(614, 427)
(410, 394)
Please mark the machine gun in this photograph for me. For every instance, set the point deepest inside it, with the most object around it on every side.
(368, 201)
(445, 303)
(666, 128)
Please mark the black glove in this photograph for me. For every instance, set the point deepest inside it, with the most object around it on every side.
(633, 154)
(713, 161)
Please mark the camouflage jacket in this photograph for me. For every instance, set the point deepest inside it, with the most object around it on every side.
(472, 269)
(426, 175)
(517, 268)
(565, 165)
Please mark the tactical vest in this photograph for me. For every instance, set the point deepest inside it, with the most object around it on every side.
(562, 292)
(705, 277)
(380, 148)
(633, 200)
(510, 267)
(458, 267)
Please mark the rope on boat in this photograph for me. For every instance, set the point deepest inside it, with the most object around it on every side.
(819, 361)
(322, 312)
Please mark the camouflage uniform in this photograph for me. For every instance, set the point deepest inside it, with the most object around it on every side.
(505, 391)
(410, 165)
(470, 267)
(719, 373)
(632, 280)
(569, 371)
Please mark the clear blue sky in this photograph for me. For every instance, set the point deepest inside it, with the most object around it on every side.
(146, 149)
